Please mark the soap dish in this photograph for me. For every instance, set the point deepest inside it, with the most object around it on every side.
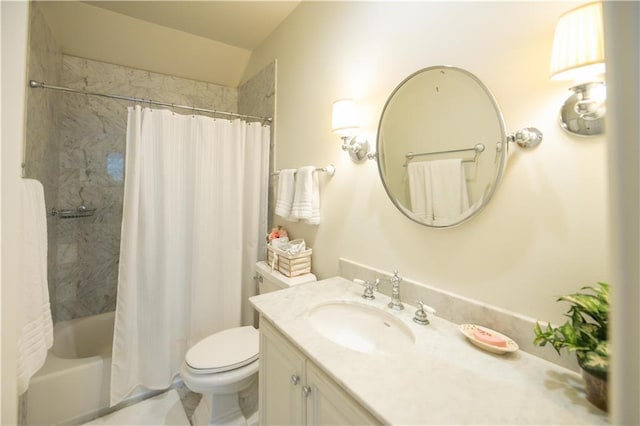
(493, 341)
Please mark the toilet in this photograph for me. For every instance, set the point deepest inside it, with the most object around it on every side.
(226, 363)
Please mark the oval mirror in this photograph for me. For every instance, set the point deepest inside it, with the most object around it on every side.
(441, 146)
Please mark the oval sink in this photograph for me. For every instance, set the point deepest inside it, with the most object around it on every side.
(361, 327)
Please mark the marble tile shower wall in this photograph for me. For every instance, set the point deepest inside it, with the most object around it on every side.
(92, 148)
(42, 141)
(257, 96)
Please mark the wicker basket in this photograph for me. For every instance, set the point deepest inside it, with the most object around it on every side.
(286, 264)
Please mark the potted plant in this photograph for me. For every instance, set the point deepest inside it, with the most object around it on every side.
(585, 333)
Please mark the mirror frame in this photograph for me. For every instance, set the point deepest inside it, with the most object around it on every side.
(503, 142)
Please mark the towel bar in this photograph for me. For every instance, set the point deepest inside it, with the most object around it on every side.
(478, 148)
(330, 170)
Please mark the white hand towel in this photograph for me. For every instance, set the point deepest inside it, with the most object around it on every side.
(449, 191)
(35, 328)
(286, 189)
(314, 219)
(306, 200)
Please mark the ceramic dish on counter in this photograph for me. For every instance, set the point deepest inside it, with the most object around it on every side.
(488, 339)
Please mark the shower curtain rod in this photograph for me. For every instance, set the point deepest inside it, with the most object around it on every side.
(41, 85)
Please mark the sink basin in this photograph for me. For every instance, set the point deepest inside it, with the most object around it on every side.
(360, 327)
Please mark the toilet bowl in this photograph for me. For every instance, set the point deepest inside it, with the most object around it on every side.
(219, 367)
(226, 363)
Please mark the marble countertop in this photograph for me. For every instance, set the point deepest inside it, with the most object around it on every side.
(443, 379)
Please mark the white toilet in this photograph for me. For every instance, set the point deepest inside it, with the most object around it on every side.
(226, 363)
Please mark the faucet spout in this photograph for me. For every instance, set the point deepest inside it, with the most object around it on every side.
(395, 303)
(371, 286)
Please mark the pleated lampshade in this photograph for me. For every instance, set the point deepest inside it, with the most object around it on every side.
(578, 45)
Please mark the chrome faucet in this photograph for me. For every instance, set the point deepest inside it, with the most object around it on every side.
(420, 317)
(371, 286)
(395, 303)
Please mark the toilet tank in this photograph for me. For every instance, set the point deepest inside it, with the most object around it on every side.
(270, 280)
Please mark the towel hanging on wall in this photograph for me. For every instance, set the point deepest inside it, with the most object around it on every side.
(306, 200)
(34, 325)
(286, 190)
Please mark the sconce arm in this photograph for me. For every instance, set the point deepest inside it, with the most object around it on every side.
(358, 148)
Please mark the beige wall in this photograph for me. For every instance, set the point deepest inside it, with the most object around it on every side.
(14, 62)
(92, 32)
(545, 231)
(622, 46)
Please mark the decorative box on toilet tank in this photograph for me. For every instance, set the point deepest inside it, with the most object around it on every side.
(289, 265)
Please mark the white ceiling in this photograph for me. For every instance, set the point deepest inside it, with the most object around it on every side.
(201, 40)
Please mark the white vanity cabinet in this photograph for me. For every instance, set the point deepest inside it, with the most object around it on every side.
(294, 391)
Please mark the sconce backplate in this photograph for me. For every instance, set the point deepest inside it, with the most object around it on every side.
(527, 138)
(578, 123)
(357, 147)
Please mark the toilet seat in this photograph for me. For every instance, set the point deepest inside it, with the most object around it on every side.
(224, 351)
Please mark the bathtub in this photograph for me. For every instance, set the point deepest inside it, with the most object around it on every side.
(73, 385)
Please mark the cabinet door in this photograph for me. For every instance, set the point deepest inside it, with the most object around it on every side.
(328, 404)
(281, 379)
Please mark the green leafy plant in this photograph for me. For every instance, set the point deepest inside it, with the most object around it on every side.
(585, 333)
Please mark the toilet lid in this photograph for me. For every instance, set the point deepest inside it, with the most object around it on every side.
(224, 351)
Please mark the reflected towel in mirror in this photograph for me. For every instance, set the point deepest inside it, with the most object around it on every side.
(438, 191)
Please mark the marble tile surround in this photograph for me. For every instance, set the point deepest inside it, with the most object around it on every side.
(461, 310)
(42, 148)
(257, 96)
(90, 130)
(69, 140)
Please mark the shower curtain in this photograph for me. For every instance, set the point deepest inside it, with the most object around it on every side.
(194, 220)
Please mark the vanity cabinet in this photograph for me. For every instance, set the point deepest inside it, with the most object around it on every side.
(293, 390)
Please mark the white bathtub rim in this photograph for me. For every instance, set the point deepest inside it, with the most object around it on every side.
(55, 366)
(87, 329)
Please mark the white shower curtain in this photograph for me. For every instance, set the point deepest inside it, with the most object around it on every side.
(194, 220)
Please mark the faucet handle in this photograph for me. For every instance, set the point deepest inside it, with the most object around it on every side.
(420, 317)
(370, 287)
(395, 278)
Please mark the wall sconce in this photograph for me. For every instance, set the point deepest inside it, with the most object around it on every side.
(578, 55)
(345, 123)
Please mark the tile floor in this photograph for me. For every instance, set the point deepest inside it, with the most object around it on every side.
(189, 399)
(174, 407)
(164, 409)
